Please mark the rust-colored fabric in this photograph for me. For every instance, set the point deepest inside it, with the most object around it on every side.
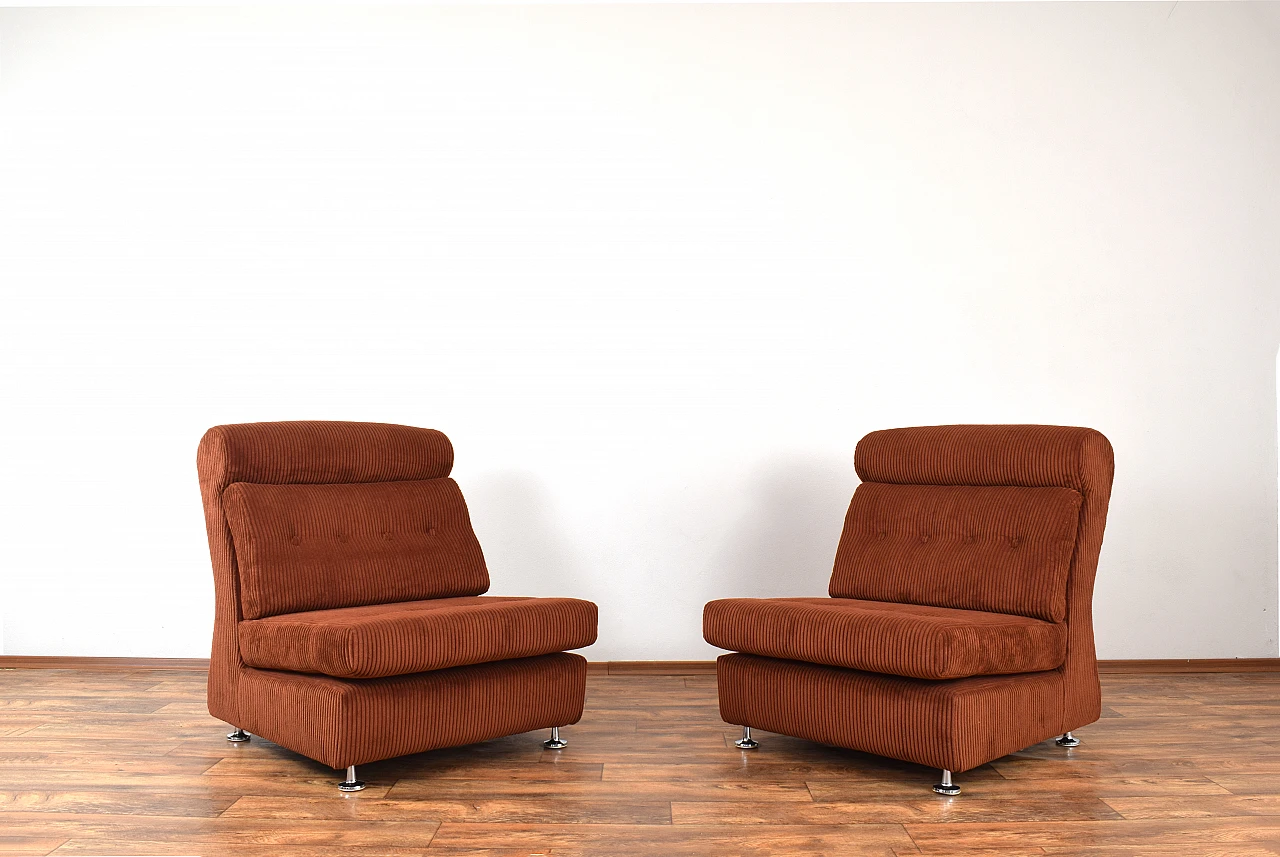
(897, 639)
(318, 452)
(307, 452)
(340, 722)
(315, 547)
(416, 636)
(1031, 456)
(956, 725)
(995, 548)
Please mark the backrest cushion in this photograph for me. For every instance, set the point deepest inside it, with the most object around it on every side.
(315, 547)
(1000, 549)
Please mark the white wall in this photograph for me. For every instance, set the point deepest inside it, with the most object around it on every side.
(655, 270)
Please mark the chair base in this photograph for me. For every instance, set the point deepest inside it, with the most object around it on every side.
(1068, 740)
(237, 736)
(555, 742)
(746, 742)
(343, 722)
(952, 725)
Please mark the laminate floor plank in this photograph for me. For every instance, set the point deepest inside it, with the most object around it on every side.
(1182, 832)
(129, 848)
(1067, 787)
(130, 763)
(606, 790)
(11, 760)
(177, 784)
(29, 844)
(117, 802)
(1195, 807)
(27, 705)
(26, 744)
(704, 841)
(499, 811)
(899, 810)
(196, 833)
(1198, 850)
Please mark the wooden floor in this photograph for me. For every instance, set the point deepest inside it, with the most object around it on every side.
(131, 763)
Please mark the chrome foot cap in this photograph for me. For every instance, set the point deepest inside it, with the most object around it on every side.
(555, 743)
(352, 786)
(747, 744)
(948, 790)
(1068, 740)
(238, 737)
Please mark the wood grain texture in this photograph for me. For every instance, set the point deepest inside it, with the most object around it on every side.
(55, 662)
(1192, 665)
(128, 763)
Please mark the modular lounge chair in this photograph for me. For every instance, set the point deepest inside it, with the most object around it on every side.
(350, 622)
(959, 624)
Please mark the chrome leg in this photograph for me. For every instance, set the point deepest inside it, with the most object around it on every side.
(555, 742)
(746, 742)
(238, 736)
(350, 784)
(946, 787)
(1068, 740)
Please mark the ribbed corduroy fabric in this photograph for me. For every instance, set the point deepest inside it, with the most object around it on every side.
(417, 636)
(318, 452)
(999, 549)
(956, 725)
(1030, 456)
(896, 639)
(1026, 455)
(316, 547)
(310, 452)
(339, 722)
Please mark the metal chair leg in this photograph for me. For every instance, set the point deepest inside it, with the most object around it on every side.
(1068, 740)
(350, 784)
(746, 742)
(238, 736)
(555, 742)
(946, 787)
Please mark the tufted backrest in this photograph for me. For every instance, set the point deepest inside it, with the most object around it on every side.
(993, 518)
(314, 547)
(998, 549)
(327, 514)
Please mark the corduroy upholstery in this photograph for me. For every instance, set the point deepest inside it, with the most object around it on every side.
(314, 547)
(995, 524)
(956, 725)
(329, 540)
(897, 639)
(340, 723)
(380, 640)
(1001, 549)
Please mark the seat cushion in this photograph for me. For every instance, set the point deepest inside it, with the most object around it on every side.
(416, 636)
(896, 639)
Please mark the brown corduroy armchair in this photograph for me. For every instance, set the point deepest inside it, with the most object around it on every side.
(350, 625)
(959, 627)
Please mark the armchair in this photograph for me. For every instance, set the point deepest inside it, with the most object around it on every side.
(959, 624)
(350, 622)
